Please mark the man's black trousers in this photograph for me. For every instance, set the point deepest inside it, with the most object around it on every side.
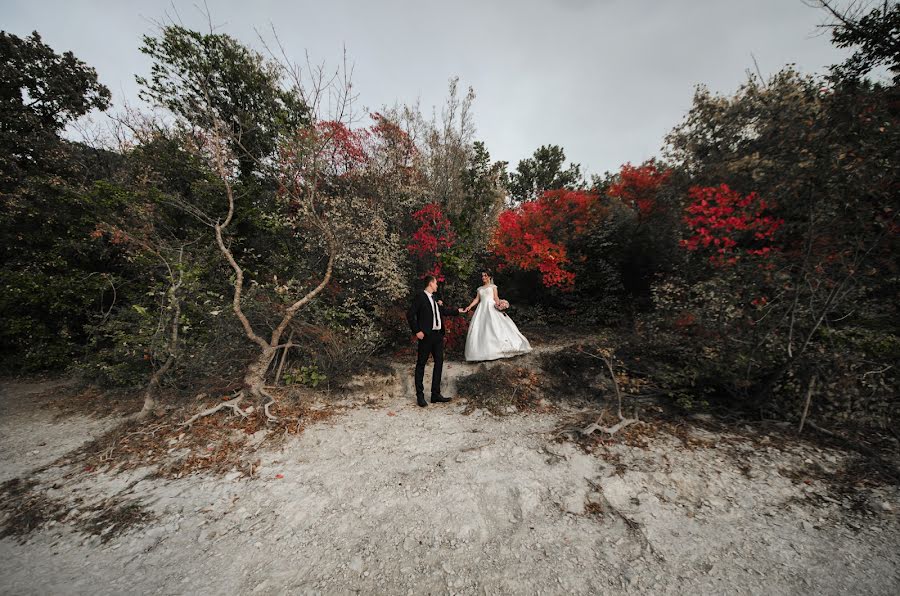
(433, 344)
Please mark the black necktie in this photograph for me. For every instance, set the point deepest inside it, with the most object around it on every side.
(437, 319)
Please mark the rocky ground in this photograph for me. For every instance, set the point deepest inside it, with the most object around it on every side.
(386, 497)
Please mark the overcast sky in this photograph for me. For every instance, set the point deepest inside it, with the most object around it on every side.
(605, 79)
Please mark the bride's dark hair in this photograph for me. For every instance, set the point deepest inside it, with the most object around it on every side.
(488, 273)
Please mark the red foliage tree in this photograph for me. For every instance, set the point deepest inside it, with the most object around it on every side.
(434, 236)
(535, 235)
(455, 331)
(343, 148)
(729, 225)
(319, 155)
(338, 150)
(393, 143)
(638, 186)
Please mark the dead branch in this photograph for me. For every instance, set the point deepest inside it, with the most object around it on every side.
(268, 414)
(284, 357)
(809, 392)
(612, 375)
(232, 403)
(803, 268)
(610, 430)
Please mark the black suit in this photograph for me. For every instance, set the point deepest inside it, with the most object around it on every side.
(420, 317)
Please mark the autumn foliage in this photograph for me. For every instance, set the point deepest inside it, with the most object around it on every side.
(535, 235)
(728, 225)
(343, 148)
(433, 236)
(638, 187)
(339, 150)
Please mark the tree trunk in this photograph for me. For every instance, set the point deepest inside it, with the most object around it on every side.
(150, 402)
(255, 377)
(284, 358)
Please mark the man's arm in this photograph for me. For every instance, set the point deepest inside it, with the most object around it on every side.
(449, 312)
(445, 311)
(412, 316)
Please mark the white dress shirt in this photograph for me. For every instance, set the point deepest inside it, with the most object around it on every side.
(436, 313)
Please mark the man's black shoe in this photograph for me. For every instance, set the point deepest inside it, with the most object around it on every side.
(439, 399)
(421, 401)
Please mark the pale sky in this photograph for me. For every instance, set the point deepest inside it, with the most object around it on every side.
(605, 79)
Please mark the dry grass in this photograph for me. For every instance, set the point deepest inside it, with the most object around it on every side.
(217, 444)
(503, 389)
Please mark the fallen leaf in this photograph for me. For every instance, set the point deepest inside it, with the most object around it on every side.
(392, 414)
(279, 476)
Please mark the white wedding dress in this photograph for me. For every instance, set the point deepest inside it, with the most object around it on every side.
(492, 333)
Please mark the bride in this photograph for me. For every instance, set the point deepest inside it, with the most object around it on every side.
(492, 334)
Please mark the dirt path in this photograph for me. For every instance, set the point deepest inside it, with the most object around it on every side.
(392, 498)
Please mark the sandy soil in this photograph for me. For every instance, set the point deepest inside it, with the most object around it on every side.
(392, 498)
(32, 434)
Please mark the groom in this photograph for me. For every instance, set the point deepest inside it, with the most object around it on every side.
(425, 321)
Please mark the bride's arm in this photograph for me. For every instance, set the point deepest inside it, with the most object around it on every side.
(496, 297)
(474, 302)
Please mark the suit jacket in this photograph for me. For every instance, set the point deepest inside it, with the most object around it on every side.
(420, 316)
